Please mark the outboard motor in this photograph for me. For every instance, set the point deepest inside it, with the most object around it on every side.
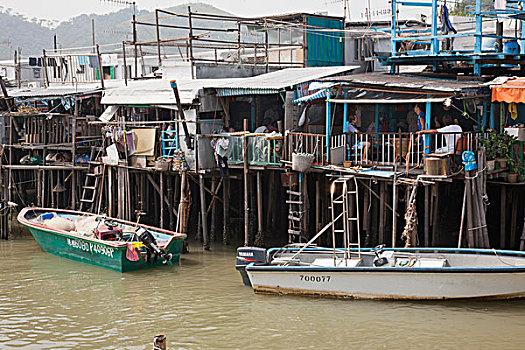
(151, 245)
(246, 256)
(379, 260)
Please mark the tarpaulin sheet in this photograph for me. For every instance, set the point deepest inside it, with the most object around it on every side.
(511, 91)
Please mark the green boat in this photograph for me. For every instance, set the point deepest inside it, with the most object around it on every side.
(101, 241)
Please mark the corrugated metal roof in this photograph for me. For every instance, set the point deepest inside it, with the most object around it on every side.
(407, 82)
(159, 92)
(281, 79)
(55, 91)
(154, 92)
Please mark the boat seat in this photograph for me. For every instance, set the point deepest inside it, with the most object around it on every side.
(421, 262)
(329, 262)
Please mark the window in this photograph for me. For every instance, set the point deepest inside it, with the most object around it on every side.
(36, 73)
(357, 49)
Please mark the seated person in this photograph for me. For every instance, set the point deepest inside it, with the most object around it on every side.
(357, 144)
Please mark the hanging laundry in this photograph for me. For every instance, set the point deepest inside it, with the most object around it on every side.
(500, 4)
(82, 60)
(130, 142)
(445, 19)
(93, 61)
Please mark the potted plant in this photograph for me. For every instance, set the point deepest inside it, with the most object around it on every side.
(512, 177)
(503, 143)
(498, 148)
(490, 150)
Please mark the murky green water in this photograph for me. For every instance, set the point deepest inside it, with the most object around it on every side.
(51, 303)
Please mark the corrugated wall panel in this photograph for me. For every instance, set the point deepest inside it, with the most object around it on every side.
(325, 48)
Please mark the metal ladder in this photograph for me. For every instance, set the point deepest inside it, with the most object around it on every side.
(341, 191)
(295, 213)
(90, 187)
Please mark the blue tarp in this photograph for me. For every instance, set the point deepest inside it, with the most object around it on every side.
(319, 94)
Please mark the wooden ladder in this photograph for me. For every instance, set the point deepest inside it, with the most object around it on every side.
(91, 184)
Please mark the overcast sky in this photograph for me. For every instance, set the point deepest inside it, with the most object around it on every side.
(64, 9)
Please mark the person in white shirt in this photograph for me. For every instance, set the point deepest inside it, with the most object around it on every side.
(452, 131)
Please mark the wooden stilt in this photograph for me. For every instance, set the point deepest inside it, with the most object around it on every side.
(427, 216)
(204, 220)
(51, 186)
(462, 224)
(161, 197)
(318, 224)
(272, 199)
(111, 199)
(503, 214)
(182, 217)
(226, 212)
(73, 189)
(366, 216)
(382, 195)
(513, 220)
(260, 239)
(246, 207)
(157, 188)
(435, 215)
(394, 216)
(470, 220)
(172, 183)
(213, 225)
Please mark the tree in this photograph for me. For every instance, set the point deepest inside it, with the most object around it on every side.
(462, 7)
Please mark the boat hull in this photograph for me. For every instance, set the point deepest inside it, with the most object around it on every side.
(390, 285)
(96, 252)
(491, 275)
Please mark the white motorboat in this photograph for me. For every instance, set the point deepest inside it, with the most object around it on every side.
(387, 273)
(379, 273)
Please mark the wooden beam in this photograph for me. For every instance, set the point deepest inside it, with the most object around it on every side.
(157, 188)
(376, 195)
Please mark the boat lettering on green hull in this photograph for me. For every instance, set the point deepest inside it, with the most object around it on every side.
(90, 247)
(100, 241)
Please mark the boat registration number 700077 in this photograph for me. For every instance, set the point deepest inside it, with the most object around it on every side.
(317, 279)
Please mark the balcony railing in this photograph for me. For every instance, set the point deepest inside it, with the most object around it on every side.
(263, 149)
(380, 149)
(307, 143)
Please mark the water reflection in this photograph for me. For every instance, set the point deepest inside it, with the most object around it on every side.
(51, 303)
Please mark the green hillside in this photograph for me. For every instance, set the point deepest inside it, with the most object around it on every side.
(18, 31)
